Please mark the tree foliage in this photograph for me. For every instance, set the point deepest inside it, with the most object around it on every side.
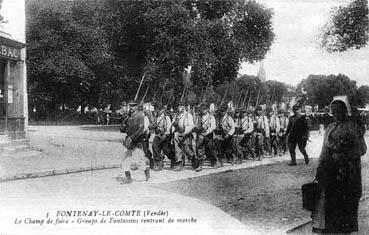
(67, 52)
(320, 89)
(347, 28)
(363, 95)
(91, 51)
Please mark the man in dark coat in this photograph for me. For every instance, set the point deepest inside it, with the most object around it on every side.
(297, 133)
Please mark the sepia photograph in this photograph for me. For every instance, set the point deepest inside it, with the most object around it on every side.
(184, 117)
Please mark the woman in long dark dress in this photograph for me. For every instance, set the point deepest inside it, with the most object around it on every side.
(339, 173)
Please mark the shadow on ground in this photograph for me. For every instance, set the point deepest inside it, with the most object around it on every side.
(114, 128)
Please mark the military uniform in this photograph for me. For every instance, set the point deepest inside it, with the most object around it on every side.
(133, 157)
(244, 129)
(275, 127)
(283, 120)
(182, 127)
(206, 124)
(146, 136)
(261, 133)
(160, 145)
(228, 127)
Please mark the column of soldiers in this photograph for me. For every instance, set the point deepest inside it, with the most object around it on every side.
(195, 135)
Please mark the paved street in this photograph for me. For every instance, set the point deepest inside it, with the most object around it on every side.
(100, 190)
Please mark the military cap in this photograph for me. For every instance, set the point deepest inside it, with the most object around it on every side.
(296, 107)
(181, 103)
(223, 108)
(281, 113)
(243, 110)
(204, 105)
(160, 106)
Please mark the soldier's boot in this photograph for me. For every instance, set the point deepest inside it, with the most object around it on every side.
(151, 163)
(128, 178)
(213, 162)
(199, 166)
(147, 174)
(258, 155)
(280, 152)
(172, 164)
(239, 160)
(216, 162)
(178, 166)
(183, 160)
(162, 163)
(235, 159)
(158, 166)
(194, 162)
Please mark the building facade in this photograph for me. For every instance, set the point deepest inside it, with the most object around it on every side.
(13, 76)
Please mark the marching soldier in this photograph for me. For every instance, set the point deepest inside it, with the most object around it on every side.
(261, 132)
(133, 157)
(228, 126)
(196, 119)
(249, 139)
(274, 124)
(146, 136)
(204, 129)
(238, 137)
(160, 145)
(182, 127)
(283, 120)
(247, 126)
(298, 134)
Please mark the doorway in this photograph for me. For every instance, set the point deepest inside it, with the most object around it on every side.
(3, 97)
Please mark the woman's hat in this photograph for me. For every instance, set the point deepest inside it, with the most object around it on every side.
(343, 99)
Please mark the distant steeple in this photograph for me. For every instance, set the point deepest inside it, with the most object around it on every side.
(261, 73)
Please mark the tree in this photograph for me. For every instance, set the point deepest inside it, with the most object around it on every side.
(321, 89)
(163, 38)
(363, 95)
(97, 51)
(276, 91)
(347, 28)
(67, 52)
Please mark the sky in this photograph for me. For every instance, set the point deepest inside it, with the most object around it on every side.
(295, 53)
(13, 12)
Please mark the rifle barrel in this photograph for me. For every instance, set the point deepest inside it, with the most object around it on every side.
(139, 87)
(143, 98)
(225, 93)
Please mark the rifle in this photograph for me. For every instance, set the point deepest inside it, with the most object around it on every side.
(248, 104)
(143, 98)
(184, 91)
(162, 94)
(218, 131)
(243, 103)
(139, 87)
(239, 99)
(257, 101)
(225, 93)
